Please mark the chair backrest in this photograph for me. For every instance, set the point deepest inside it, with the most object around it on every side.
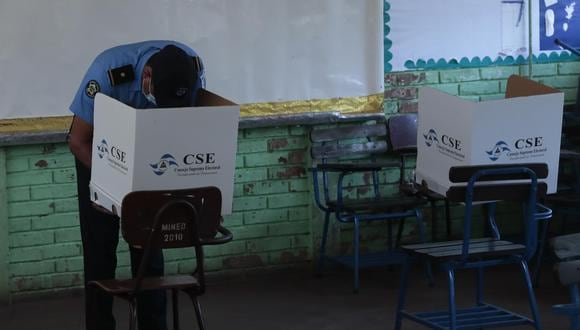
(357, 140)
(509, 182)
(502, 188)
(345, 145)
(403, 132)
(403, 139)
(171, 218)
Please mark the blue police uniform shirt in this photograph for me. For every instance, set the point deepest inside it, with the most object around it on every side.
(96, 79)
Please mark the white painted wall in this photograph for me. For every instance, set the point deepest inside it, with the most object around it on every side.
(254, 50)
(453, 29)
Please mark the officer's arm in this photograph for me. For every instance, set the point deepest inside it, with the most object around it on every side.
(80, 137)
(80, 140)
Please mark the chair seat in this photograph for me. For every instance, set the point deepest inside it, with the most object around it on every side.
(149, 283)
(380, 204)
(478, 248)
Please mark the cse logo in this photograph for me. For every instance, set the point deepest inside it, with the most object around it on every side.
(166, 161)
(432, 137)
(118, 154)
(163, 164)
(115, 152)
(102, 149)
(499, 149)
(527, 143)
(201, 158)
(451, 142)
(502, 148)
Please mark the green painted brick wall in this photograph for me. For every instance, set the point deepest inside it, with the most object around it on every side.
(42, 218)
(478, 84)
(269, 221)
(274, 219)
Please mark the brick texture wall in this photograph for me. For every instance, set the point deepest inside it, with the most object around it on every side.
(477, 84)
(274, 219)
(270, 220)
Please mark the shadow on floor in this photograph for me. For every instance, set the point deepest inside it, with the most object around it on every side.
(294, 299)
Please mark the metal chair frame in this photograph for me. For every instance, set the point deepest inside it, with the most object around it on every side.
(377, 208)
(481, 253)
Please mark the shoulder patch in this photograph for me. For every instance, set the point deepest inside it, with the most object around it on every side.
(121, 75)
(92, 88)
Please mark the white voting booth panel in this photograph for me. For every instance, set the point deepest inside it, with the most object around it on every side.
(525, 127)
(157, 149)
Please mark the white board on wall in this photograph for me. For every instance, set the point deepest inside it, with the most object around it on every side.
(422, 30)
(463, 33)
(253, 50)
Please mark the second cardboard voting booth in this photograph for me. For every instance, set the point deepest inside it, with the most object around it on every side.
(525, 127)
(169, 148)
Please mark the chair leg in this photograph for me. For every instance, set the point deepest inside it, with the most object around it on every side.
(420, 225)
(133, 314)
(402, 292)
(541, 250)
(531, 295)
(174, 296)
(198, 314)
(452, 307)
(421, 228)
(356, 254)
(323, 244)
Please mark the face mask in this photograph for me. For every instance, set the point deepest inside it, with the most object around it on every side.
(150, 97)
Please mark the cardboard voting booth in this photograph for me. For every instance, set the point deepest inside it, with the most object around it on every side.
(525, 127)
(169, 148)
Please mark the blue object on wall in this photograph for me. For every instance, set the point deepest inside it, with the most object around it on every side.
(565, 25)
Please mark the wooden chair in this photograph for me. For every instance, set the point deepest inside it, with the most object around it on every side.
(403, 139)
(484, 183)
(165, 220)
(358, 153)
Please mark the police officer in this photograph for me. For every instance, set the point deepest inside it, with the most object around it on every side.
(150, 74)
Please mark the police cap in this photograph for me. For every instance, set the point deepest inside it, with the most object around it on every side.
(174, 77)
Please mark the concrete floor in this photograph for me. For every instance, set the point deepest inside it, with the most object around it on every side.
(294, 299)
